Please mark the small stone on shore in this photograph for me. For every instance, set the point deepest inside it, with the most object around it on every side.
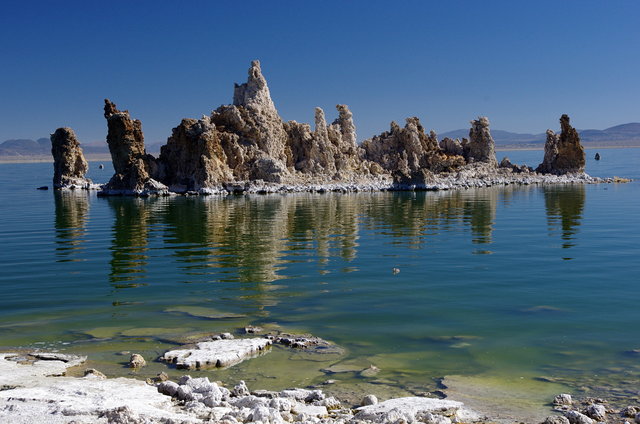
(369, 400)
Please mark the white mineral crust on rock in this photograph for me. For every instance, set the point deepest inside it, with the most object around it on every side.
(30, 396)
(218, 353)
(410, 407)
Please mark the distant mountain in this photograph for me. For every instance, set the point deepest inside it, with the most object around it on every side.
(25, 147)
(619, 135)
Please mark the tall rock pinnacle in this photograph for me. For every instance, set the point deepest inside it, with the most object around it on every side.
(69, 164)
(133, 166)
(481, 147)
(254, 93)
(254, 120)
(563, 154)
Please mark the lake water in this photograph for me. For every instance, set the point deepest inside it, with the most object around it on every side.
(528, 284)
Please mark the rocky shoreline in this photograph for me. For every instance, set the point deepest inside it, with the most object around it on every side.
(34, 388)
(246, 147)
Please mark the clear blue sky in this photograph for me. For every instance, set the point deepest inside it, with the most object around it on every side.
(521, 63)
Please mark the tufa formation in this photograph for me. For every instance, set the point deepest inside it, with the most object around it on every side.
(563, 154)
(246, 146)
(69, 164)
(132, 165)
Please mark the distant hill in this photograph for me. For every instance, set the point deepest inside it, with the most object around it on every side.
(16, 148)
(617, 136)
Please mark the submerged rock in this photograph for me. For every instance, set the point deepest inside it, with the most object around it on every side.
(69, 164)
(563, 153)
(133, 167)
(137, 361)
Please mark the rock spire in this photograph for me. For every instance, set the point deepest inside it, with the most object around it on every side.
(133, 166)
(563, 153)
(69, 164)
(481, 147)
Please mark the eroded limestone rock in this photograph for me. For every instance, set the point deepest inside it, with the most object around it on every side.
(69, 164)
(133, 167)
(193, 158)
(481, 147)
(330, 151)
(257, 144)
(409, 154)
(563, 153)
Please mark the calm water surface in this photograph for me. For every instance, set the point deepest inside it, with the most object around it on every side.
(520, 282)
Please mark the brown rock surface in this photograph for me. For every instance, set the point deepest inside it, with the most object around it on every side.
(193, 158)
(69, 164)
(133, 166)
(563, 154)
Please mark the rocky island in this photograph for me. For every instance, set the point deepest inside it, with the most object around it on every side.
(247, 147)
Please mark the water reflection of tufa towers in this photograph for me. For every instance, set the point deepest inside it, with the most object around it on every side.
(252, 239)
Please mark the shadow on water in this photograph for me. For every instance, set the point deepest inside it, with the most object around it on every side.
(565, 207)
(72, 208)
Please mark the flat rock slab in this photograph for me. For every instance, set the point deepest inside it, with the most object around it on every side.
(217, 353)
(412, 406)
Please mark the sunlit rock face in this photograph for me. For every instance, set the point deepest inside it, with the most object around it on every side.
(133, 167)
(193, 158)
(481, 147)
(256, 140)
(247, 147)
(69, 164)
(408, 153)
(563, 153)
(329, 151)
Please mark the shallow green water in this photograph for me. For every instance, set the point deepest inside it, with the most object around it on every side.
(503, 282)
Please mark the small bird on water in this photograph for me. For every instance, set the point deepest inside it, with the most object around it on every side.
(395, 270)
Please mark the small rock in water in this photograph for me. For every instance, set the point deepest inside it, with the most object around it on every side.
(137, 361)
(94, 373)
(369, 400)
(370, 372)
(395, 270)
(250, 329)
(562, 399)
